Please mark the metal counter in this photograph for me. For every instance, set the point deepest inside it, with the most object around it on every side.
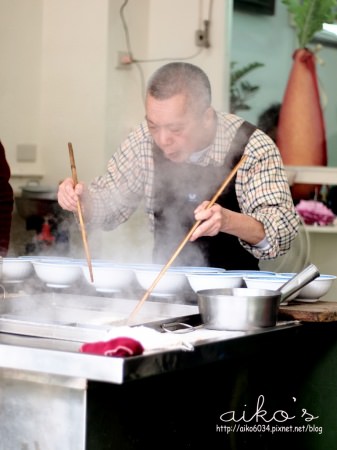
(43, 333)
(48, 389)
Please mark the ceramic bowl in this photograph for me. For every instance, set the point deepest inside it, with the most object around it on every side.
(57, 273)
(198, 269)
(172, 282)
(271, 282)
(109, 277)
(200, 281)
(252, 273)
(15, 270)
(317, 288)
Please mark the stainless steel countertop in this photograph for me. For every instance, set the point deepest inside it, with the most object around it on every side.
(43, 333)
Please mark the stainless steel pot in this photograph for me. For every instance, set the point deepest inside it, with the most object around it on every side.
(39, 192)
(247, 308)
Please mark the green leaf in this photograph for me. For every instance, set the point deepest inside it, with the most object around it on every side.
(241, 91)
(309, 16)
(240, 73)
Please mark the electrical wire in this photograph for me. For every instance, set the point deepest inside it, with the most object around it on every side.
(183, 58)
(129, 47)
(137, 62)
(125, 27)
(210, 9)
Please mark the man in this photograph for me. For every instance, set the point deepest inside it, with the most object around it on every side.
(176, 159)
(6, 203)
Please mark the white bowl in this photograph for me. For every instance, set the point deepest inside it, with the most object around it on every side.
(201, 281)
(15, 270)
(109, 277)
(57, 273)
(271, 282)
(317, 288)
(251, 273)
(286, 274)
(172, 282)
(198, 269)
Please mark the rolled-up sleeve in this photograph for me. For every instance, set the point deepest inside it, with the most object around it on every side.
(263, 192)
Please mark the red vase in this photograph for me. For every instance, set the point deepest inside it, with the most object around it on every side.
(301, 135)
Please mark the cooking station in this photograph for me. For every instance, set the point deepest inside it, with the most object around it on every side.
(54, 397)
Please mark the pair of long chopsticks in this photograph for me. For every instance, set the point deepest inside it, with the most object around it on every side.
(185, 240)
(79, 210)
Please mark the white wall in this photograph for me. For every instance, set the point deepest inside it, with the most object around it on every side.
(73, 86)
(20, 76)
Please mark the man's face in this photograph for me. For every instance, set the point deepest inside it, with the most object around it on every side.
(176, 129)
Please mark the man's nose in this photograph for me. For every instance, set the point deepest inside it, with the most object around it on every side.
(164, 137)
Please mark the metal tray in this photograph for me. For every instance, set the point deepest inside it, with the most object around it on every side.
(77, 317)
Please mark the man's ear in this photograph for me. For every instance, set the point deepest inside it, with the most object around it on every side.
(209, 115)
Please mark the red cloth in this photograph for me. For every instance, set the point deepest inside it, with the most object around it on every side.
(119, 347)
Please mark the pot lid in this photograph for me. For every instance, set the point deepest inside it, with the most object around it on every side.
(37, 188)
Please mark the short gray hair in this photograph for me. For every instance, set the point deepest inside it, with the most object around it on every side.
(181, 78)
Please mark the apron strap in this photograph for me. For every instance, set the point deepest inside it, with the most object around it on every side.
(239, 143)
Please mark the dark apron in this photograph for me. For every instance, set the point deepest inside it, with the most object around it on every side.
(178, 190)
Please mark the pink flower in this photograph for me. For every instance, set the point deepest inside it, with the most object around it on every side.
(314, 212)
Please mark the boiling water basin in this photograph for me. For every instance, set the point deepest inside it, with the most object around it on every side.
(77, 317)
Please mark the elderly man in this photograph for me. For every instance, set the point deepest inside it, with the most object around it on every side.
(176, 159)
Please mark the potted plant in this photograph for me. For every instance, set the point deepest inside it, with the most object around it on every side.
(301, 129)
(241, 90)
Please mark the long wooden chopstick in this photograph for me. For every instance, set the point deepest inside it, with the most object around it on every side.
(185, 240)
(79, 211)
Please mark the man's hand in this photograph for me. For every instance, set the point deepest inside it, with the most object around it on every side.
(68, 194)
(217, 219)
(212, 220)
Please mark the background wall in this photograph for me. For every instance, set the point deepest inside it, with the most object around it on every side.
(20, 75)
(60, 83)
(59, 80)
(271, 40)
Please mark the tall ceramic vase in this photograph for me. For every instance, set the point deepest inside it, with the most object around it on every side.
(301, 135)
